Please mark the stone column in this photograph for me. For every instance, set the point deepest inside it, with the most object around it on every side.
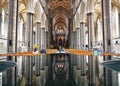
(42, 58)
(78, 47)
(74, 46)
(23, 50)
(29, 42)
(2, 21)
(37, 58)
(28, 60)
(48, 46)
(47, 40)
(71, 34)
(106, 16)
(12, 40)
(74, 56)
(91, 39)
(47, 56)
(83, 58)
(42, 44)
(83, 78)
(78, 70)
(50, 32)
(119, 23)
(71, 46)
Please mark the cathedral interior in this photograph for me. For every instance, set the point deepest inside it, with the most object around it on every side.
(79, 39)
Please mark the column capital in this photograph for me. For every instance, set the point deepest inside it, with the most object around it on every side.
(82, 22)
(77, 27)
(30, 6)
(90, 13)
(42, 27)
(30, 12)
(37, 21)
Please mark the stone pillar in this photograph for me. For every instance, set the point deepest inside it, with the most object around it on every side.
(42, 44)
(42, 58)
(29, 42)
(91, 39)
(106, 16)
(74, 56)
(75, 40)
(2, 21)
(83, 79)
(74, 46)
(23, 50)
(47, 40)
(78, 67)
(48, 46)
(71, 46)
(50, 33)
(28, 60)
(119, 23)
(78, 47)
(47, 43)
(38, 27)
(12, 40)
(45, 57)
(71, 34)
(37, 58)
(83, 58)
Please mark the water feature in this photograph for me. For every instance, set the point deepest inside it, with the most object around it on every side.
(59, 73)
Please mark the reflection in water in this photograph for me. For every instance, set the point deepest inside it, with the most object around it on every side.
(60, 72)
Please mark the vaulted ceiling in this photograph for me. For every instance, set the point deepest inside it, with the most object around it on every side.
(60, 6)
(60, 11)
(55, 7)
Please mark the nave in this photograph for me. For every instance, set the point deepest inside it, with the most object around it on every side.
(88, 30)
